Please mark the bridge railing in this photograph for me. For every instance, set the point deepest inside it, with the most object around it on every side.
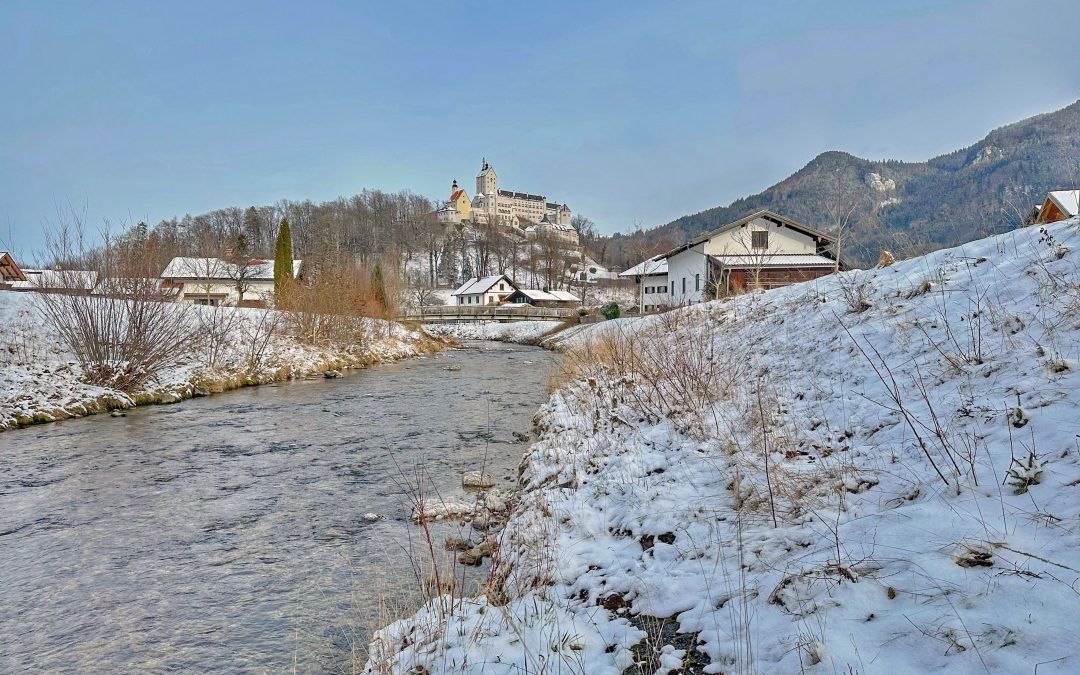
(486, 313)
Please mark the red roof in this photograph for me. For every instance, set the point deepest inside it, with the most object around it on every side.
(455, 195)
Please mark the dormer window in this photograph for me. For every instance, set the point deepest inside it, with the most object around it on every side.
(759, 239)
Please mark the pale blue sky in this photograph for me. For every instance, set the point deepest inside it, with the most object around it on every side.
(628, 111)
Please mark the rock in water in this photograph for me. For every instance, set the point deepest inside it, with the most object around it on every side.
(118, 413)
(332, 374)
(521, 437)
(371, 517)
(453, 368)
(476, 479)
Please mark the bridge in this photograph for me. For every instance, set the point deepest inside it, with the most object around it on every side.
(466, 314)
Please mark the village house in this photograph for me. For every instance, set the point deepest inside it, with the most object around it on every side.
(539, 298)
(761, 250)
(213, 281)
(486, 291)
(651, 277)
(1058, 205)
(10, 272)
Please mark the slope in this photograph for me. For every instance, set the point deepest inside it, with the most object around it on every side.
(877, 471)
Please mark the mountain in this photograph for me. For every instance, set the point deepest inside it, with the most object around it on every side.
(914, 207)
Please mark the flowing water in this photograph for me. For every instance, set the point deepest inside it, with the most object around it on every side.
(226, 534)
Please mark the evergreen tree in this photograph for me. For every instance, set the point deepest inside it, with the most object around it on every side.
(378, 285)
(283, 257)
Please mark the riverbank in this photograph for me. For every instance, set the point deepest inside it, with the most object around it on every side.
(874, 471)
(517, 332)
(41, 381)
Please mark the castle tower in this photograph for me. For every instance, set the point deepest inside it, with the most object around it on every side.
(486, 181)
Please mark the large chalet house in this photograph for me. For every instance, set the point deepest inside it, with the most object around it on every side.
(213, 281)
(761, 250)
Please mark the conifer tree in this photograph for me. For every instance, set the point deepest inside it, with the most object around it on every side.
(283, 257)
(378, 285)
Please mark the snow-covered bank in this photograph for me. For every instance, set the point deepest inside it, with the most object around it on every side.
(877, 471)
(41, 381)
(521, 332)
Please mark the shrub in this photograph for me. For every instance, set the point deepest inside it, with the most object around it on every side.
(611, 311)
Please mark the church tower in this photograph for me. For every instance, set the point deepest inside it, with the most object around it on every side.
(486, 181)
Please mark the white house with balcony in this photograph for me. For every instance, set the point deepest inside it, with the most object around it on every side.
(761, 250)
(483, 291)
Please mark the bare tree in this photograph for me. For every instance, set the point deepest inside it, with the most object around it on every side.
(845, 202)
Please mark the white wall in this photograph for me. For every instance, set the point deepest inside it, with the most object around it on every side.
(195, 291)
(782, 239)
(660, 295)
(683, 266)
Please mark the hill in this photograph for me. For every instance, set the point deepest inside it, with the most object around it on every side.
(873, 472)
(919, 206)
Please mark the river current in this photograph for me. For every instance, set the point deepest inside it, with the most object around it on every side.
(227, 534)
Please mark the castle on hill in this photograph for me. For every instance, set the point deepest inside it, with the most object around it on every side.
(531, 213)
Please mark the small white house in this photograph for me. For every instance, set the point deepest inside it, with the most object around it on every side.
(213, 281)
(762, 250)
(486, 291)
(651, 277)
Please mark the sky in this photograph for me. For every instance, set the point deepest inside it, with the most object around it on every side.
(633, 113)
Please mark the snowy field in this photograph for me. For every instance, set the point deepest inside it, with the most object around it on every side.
(40, 380)
(874, 472)
(522, 332)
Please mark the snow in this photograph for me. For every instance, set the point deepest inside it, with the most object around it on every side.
(875, 471)
(656, 265)
(41, 380)
(216, 268)
(477, 285)
(522, 332)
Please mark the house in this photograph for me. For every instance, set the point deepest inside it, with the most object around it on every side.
(213, 281)
(10, 271)
(761, 250)
(651, 277)
(487, 291)
(537, 298)
(68, 282)
(1058, 205)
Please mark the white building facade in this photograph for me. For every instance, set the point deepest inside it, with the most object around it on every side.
(762, 250)
(483, 291)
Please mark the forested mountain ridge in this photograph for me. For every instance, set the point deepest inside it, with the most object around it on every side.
(916, 206)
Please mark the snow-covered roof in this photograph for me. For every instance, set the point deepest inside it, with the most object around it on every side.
(478, 285)
(83, 280)
(777, 260)
(655, 265)
(1067, 200)
(549, 296)
(9, 269)
(216, 268)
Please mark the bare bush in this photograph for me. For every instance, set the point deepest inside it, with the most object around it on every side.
(121, 329)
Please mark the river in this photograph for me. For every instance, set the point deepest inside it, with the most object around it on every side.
(226, 534)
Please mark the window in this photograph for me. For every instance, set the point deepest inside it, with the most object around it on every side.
(684, 285)
(759, 239)
(697, 282)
